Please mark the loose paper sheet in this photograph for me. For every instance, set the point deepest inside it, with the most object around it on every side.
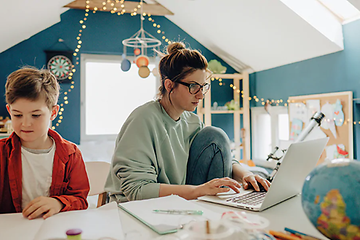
(313, 106)
(298, 111)
(103, 222)
(15, 226)
(95, 223)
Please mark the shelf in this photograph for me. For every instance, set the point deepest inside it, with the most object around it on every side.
(228, 76)
(240, 116)
(226, 111)
(240, 111)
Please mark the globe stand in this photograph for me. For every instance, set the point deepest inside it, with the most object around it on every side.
(315, 120)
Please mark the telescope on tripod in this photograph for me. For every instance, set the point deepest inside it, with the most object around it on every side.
(315, 120)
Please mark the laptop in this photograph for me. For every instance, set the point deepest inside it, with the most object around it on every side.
(298, 161)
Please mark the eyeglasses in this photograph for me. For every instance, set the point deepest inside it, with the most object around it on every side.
(194, 88)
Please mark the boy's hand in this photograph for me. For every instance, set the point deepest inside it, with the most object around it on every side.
(42, 205)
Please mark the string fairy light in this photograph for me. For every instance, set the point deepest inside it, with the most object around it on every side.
(65, 99)
(256, 99)
(120, 10)
(114, 9)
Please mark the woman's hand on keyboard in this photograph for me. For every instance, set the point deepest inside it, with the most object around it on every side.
(218, 185)
(253, 181)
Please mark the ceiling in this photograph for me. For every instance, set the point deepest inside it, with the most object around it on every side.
(356, 3)
(21, 19)
(253, 35)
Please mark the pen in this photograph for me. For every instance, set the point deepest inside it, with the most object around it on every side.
(300, 234)
(282, 235)
(179, 212)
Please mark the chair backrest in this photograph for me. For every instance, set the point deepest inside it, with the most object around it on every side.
(97, 173)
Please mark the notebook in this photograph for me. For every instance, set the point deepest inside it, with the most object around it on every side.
(298, 161)
(143, 210)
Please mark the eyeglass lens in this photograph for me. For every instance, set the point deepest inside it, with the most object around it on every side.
(195, 88)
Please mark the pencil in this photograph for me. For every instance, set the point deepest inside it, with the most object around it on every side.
(300, 234)
(207, 227)
(282, 235)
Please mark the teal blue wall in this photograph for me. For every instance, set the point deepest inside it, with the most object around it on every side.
(331, 73)
(103, 35)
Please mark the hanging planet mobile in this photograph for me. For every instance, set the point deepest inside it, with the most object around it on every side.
(60, 66)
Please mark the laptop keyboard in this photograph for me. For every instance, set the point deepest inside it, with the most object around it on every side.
(253, 198)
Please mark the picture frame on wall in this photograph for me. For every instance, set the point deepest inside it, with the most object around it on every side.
(60, 64)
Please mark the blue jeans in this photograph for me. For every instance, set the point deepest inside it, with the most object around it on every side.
(209, 156)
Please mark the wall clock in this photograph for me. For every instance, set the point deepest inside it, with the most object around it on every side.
(59, 63)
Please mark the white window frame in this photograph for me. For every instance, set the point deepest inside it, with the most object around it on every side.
(274, 113)
(99, 58)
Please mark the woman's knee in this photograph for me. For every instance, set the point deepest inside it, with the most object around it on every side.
(215, 135)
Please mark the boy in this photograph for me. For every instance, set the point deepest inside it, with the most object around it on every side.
(40, 172)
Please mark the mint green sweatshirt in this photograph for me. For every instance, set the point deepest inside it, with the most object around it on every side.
(151, 148)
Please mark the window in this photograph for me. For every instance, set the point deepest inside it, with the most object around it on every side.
(268, 131)
(109, 95)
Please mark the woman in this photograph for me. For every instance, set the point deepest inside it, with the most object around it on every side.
(163, 148)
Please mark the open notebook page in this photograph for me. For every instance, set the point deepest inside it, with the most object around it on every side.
(15, 226)
(166, 223)
(95, 223)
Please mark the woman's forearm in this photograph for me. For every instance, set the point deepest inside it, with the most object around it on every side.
(185, 191)
(239, 172)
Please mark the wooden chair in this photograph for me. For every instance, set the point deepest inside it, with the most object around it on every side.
(97, 173)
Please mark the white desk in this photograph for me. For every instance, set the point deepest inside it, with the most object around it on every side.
(287, 214)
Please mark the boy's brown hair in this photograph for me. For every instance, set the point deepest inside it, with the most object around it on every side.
(32, 83)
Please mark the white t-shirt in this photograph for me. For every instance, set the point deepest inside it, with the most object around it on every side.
(37, 168)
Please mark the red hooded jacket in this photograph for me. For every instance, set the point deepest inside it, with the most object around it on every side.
(70, 184)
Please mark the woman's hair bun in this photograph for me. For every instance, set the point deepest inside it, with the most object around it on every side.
(175, 47)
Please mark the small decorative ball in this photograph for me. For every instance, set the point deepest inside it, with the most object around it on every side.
(144, 72)
(155, 72)
(331, 198)
(137, 51)
(125, 65)
(142, 60)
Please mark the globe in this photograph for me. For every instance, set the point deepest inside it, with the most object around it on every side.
(331, 198)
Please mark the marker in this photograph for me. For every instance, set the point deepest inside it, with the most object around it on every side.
(300, 234)
(179, 212)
